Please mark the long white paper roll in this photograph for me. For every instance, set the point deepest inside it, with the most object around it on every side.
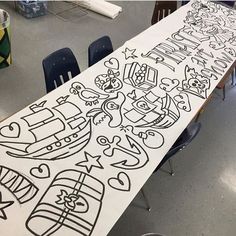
(102, 7)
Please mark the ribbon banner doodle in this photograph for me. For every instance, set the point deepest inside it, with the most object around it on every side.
(72, 161)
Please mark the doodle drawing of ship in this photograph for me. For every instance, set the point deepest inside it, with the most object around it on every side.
(55, 138)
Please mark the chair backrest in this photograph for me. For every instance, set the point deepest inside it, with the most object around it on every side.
(99, 49)
(228, 3)
(163, 9)
(59, 67)
(183, 140)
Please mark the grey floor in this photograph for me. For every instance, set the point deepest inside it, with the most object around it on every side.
(200, 200)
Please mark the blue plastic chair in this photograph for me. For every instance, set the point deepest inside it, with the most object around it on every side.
(99, 49)
(183, 140)
(59, 67)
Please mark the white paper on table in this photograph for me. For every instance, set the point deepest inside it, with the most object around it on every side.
(102, 7)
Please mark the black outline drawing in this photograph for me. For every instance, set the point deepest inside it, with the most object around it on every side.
(195, 83)
(10, 131)
(41, 172)
(132, 94)
(89, 161)
(230, 51)
(112, 64)
(143, 77)
(73, 200)
(22, 189)
(88, 95)
(153, 111)
(45, 125)
(4, 205)
(109, 82)
(121, 182)
(110, 108)
(168, 84)
(129, 53)
(150, 138)
(135, 151)
(183, 102)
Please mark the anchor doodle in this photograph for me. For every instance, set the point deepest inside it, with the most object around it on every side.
(135, 151)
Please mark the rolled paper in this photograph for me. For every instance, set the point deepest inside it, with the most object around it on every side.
(5, 41)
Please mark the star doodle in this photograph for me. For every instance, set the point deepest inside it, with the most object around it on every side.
(4, 205)
(90, 162)
(129, 53)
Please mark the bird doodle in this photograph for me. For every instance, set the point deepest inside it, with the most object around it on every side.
(89, 96)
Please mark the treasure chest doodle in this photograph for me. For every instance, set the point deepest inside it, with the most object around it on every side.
(70, 206)
(141, 77)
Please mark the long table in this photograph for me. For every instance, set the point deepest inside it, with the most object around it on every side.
(72, 161)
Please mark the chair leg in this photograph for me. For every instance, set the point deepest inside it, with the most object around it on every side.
(224, 93)
(146, 200)
(172, 173)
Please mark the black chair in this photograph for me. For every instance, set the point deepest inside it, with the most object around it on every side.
(163, 9)
(228, 3)
(59, 67)
(183, 140)
(99, 49)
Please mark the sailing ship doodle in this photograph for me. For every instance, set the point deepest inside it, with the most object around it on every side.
(54, 138)
(110, 108)
(139, 155)
(72, 203)
(21, 188)
(152, 111)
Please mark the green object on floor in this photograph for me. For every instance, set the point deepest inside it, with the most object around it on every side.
(5, 41)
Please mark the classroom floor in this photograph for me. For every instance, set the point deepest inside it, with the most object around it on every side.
(200, 200)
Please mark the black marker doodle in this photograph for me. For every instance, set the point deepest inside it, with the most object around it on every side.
(204, 21)
(54, 138)
(41, 172)
(110, 108)
(153, 111)
(112, 63)
(129, 53)
(72, 202)
(139, 76)
(10, 131)
(151, 138)
(121, 182)
(4, 205)
(22, 189)
(168, 84)
(230, 51)
(109, 82)
(135, 150)
(194, 83)
(89, 96)
(90, 162)
(183, 102)
(132, 95)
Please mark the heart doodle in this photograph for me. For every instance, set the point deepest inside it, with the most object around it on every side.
(183, 102)
(10, 131)
(121, 182)
(112, 63)
(40, 172)
(168, 84)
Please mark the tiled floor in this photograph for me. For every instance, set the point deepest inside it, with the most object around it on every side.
(200, 200)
